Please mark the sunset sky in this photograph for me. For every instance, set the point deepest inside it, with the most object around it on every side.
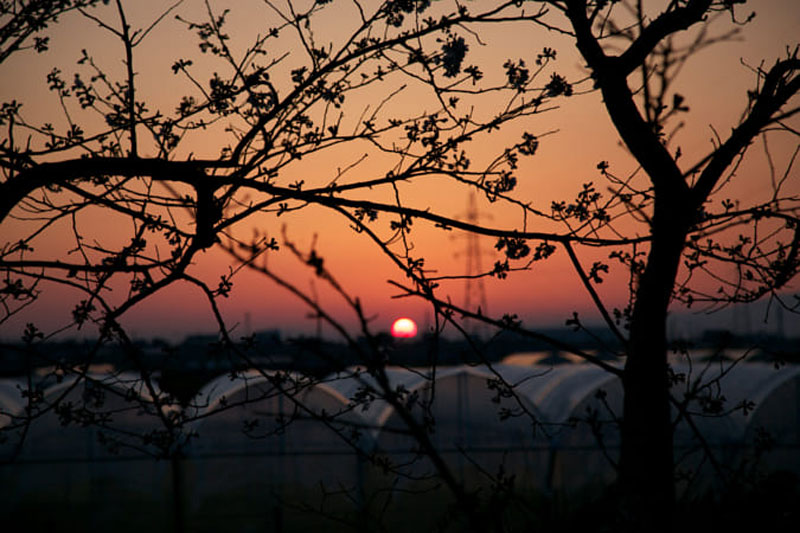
(575, 135)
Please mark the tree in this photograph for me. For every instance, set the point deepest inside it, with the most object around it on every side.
(277, 111)
(679, 217)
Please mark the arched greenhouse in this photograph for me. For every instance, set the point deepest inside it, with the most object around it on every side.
(86, 447)
(262, 439)
(275, 450)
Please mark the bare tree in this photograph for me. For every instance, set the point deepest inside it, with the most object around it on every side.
(663, 225)
(115, 152)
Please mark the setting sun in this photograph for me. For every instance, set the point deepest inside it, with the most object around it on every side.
(404, 328)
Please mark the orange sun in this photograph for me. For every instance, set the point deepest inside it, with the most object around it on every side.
(404, 328)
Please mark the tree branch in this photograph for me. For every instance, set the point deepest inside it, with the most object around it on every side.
(28, 180)
(667, 23)
(611, 77)
(779, 87)
(593, 293)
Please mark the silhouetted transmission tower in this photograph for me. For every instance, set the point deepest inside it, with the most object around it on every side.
(474, 289)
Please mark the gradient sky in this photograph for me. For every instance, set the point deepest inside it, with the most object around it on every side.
(714, 83)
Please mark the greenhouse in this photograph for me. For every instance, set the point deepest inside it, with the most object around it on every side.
(89, 444)
(11, 401)
(477, 425)
(264, 447)
(263, 438)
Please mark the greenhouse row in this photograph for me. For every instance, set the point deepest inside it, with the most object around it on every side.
(251, 443)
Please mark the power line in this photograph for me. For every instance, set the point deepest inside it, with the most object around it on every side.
(474, 287)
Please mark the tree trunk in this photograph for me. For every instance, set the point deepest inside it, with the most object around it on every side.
(646, 462)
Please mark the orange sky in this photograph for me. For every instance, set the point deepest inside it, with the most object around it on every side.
(715, 86)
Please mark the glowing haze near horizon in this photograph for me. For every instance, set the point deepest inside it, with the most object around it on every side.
(715, 85)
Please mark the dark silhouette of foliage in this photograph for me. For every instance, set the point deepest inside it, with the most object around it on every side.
(668, 226)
